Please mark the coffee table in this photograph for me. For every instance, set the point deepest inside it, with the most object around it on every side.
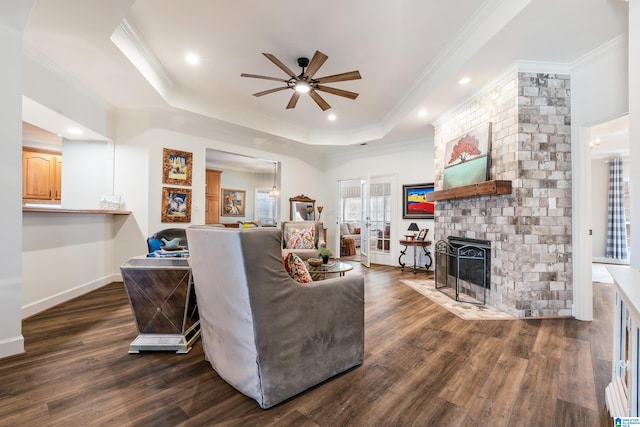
(333, 267)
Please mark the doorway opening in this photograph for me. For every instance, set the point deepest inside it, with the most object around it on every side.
(609, 141)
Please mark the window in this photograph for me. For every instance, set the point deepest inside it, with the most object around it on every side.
(265, 207)
(350, 203)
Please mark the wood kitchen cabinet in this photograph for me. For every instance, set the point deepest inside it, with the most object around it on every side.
(41, 175)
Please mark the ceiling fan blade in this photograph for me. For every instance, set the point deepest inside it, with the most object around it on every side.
(255, 76)
(316, 62)
(319, 100)
(294, 99)
(351, 75)
(267, 92)
(280, 65)
(339, 92)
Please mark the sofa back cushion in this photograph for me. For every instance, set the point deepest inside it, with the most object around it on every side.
(344, 229)
(299, 238)
(300, 234)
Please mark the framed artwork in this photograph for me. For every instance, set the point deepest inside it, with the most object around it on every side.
(176, 167)
(414, 201)
(176, 204)
(233, 202)
(468, 158)
(422, 235)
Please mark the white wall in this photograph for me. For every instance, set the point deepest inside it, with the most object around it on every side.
(598, 93)
(138, 178)
(634, 126)
(64, 256)
(87, 168)
(599, 206)
(408, 163)
(14, 14)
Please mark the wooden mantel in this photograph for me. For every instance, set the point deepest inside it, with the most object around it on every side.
(479, 189)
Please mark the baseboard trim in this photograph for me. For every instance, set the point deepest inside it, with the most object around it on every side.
(53, 300)
(12, 346)
(603, 260)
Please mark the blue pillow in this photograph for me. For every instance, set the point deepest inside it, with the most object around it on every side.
(154, 244)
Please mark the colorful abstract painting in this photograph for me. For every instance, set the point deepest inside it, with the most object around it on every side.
(415, 204)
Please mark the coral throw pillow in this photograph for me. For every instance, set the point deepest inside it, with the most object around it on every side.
(300, 239)
(296, 268)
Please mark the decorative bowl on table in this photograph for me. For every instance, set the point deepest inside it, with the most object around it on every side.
(315, 262)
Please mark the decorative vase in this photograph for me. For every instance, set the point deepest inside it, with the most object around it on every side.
(325, 259)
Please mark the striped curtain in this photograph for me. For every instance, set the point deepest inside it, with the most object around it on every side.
(616, 231)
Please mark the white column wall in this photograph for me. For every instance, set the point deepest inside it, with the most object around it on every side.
(634, 127)
(13, 16)
(599, 93)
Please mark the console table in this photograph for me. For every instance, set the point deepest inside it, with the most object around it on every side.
(622, 394)
(424, 244)
(163, 302)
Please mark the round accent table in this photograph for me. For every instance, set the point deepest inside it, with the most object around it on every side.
(333, 267)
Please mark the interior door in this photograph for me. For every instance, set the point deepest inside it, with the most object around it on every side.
(365, 233)
(212, 206)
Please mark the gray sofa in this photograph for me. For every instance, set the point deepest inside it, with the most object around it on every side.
(267, 335)
(291, 227)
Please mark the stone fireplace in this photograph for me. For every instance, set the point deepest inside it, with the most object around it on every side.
(530, 228)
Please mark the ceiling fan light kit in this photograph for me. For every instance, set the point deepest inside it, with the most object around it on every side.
(305, 83)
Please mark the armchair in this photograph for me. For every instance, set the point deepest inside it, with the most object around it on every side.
(154, 241)
(269, 336)
(303, 238)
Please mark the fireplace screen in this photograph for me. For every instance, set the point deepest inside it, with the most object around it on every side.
(463, 266)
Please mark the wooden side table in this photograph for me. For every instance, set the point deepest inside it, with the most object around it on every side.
(163, 302)
(424, 244)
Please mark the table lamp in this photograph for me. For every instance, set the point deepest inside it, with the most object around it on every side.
(413, 227)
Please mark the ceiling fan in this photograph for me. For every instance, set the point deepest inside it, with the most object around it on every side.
(305, 83)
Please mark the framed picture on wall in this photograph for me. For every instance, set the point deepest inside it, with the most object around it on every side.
(468, 158)
(233, 202)
(176, 204)
(176, 167)
(414, 201)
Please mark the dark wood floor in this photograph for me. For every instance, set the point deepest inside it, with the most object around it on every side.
(423, 366)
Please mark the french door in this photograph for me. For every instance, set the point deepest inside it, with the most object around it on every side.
(365, 233)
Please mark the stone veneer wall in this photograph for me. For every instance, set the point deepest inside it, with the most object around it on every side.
(531, 254)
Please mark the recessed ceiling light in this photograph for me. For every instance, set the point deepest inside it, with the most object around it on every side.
(331, 117)
(423, 113)
(192, 58)
(74, 131)
(464, 80)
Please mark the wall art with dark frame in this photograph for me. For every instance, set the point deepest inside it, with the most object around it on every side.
(177, 167)
(176, 204)
(414, 201)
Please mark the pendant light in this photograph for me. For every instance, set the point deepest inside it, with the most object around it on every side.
(274, 192)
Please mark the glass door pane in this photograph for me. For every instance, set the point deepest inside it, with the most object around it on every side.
(366, 225)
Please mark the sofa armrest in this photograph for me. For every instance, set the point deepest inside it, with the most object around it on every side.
(321, 334)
